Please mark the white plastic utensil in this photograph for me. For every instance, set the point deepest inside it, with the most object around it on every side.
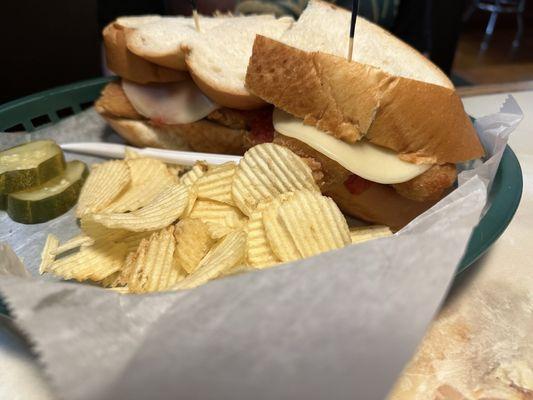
(113, 150)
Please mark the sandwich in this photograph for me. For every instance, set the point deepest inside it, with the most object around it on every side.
(169, 95)
(382, 134)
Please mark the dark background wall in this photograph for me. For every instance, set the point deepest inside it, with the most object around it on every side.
(45, 44)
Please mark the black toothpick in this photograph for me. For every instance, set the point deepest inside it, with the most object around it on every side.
(195, 15)
(355, 10)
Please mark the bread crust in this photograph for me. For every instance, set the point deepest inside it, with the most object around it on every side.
(128, 65)
(237, 100)
(174, 60)
(201, 136)
(424, 123)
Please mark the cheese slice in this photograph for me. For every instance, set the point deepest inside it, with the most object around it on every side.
(169, 103)
(364, 159)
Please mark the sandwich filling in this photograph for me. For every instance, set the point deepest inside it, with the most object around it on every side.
(371, 162)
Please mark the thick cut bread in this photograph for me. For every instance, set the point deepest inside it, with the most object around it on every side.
(135, 21)
(160, 41)
(378, 204)
(217, 61)
(130, 66)
(324, 27)
(422, 122)
(201, 136)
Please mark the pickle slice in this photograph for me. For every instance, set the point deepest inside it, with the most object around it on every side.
(28, 165)
(49, 200)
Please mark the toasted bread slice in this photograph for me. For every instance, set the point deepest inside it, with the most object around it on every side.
(423, 122)
(203, 136)
(160, 41)
(217, 61)
(124, 63)
(324, 27)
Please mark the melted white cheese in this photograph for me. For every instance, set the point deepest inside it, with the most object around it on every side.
(369, 161)
(169, 103)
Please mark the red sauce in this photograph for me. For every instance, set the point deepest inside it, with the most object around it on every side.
(356, 185)
(261, 127)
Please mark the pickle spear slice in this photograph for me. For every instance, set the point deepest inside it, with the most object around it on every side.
(49, 200)
(28, 165)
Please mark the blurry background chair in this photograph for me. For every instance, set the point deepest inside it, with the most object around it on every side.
(496, 7)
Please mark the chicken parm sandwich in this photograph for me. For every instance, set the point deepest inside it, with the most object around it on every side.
(184, 89)
(382, 134)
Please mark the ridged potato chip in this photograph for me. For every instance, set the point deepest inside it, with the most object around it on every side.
(191, 176)
(122, 276)
(193, 243)
(75, 242)
(175, 169)
(362, 234)
(130, 154)
(214, 212)
(309, 222)
(228, 253)
(166, 208)
(154, 267)
(111, 280)
(48, 253)
(94, 262)
(259, 254)
(105, 182)
(266, 171)
(215, 184)
(149, 177)
(94, 231)
(193, 196)
(217, 231)
(239, 269)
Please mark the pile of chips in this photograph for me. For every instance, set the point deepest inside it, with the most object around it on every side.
(149, 227)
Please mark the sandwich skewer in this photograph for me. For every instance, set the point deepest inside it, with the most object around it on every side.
(114, 150)
(195, 15)
(355, 10)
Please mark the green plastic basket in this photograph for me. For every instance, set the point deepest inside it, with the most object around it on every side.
(42, 109)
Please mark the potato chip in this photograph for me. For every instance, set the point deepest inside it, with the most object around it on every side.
(94, 262)
(110, 281)
(214, 212)
(217, 231)
(258, 251)
(309, 223)
(105, 182)
(97, 231)
(130, 154)
(120, 290)
(149, 177)
(228, 253)
(193, 196)
(166, 208)
(362, 234)
(215, 184)
(71, 244)
(154, 263)
(175, 169)
(122, 276)
(193, 243)
(48, 253)
(239, 269)
(194, 173)
(265, 171)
